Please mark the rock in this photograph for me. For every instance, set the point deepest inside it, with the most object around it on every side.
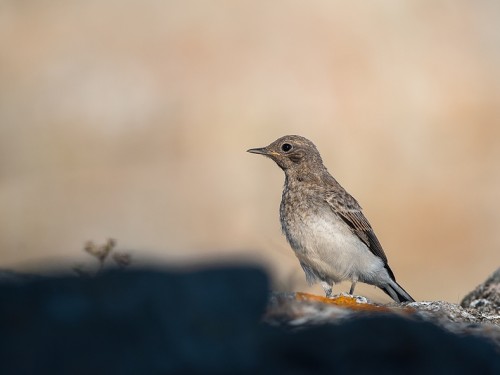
(456, 319)
(486, 298)
(369, 343)
(134, 322)
(297, 310)
(8, 276)
(216, 321)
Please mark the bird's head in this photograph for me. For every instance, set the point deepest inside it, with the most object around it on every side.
(292, 153)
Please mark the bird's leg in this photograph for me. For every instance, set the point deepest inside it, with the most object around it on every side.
(353, 285)
(327, 288)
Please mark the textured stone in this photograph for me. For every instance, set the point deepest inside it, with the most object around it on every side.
(486, 297)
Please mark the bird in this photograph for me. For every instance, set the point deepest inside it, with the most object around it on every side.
(325, 225)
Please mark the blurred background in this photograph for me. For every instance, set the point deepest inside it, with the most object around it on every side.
(130, 120)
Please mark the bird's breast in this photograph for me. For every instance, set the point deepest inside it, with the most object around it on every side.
(323, 241)
(304, 217)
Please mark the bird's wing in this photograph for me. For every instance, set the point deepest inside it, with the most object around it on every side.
(348, 209)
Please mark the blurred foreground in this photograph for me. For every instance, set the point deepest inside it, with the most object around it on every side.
(210, 322)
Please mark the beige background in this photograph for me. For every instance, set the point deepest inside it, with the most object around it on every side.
(130, 119)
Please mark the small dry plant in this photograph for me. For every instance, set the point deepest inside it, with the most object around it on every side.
(102, 253)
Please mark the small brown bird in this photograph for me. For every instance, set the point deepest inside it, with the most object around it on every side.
(324, 224)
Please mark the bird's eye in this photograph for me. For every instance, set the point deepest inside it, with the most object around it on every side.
(286, 147)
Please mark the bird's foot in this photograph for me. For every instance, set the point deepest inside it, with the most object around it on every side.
(328, 289)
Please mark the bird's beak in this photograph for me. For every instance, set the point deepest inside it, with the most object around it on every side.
(261, 151)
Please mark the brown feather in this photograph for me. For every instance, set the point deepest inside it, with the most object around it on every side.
(350, 212)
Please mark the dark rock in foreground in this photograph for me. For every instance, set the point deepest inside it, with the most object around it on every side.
(209, 322)
(132, 322)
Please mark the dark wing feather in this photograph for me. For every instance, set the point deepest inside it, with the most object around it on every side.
(348, 209)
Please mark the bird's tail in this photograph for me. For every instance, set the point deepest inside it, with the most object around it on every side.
(396, 292)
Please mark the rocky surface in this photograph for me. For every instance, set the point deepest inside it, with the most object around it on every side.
(478, 314)
(221, 321)
(296, 311)
(485, 299)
